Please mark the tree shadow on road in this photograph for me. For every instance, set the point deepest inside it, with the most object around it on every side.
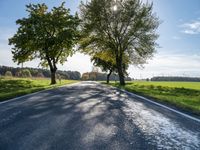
(88, 117)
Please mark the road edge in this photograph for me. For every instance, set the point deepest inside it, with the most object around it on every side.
(156, 103)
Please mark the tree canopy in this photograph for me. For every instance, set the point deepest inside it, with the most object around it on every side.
(127, 28)
(105, 62)
(47, 35)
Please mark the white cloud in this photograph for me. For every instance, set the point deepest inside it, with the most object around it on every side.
(6, 33)
(191, 28)
(161, 64)
(169, 65)
(78, 62)
(5, 49)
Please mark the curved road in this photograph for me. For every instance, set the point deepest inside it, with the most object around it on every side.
(89, 115)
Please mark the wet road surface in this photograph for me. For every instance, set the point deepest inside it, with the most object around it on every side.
(92, 116)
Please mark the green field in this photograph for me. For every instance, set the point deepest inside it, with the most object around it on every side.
(183, 95)
(13, 87)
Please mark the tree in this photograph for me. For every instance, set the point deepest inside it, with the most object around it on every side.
(8, 74)
(127, 28)
(26, 73)
(105, 62)
(85, 76)
(104, 65)
(47, 35)
(108, 63)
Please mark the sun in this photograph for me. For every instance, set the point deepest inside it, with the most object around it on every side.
(115, 7)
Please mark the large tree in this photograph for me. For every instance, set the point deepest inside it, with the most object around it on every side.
(47, 35)
(127, 27)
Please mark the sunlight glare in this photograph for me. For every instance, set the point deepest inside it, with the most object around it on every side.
(115, 8)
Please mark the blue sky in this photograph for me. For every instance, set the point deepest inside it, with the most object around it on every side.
(179, 52)
(176, 35)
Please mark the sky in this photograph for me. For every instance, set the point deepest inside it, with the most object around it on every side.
(178, 53)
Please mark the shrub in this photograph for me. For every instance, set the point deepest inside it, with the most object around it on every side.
(8, 74)
(26, 73)
(18, 73)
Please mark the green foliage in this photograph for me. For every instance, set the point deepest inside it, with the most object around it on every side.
(39, 72)
(8, 74)
(47, 35)
(184, 95)
(23, 73)
(99, 76)
(104, 61)
(26, 73)
(129, 30)
(186, 85)
(107, 63)
(18, 73)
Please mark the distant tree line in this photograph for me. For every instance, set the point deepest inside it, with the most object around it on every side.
(176, 78)
(97, 76)
(37, 72)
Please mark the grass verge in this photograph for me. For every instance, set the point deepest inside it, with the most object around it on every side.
(13, 87)
(182, 95)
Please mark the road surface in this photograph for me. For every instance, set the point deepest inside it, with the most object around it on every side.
(92, 116)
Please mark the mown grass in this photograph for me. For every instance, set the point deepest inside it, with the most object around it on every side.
(183, 95)
(13, 87)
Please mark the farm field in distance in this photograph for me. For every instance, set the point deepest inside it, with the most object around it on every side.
(183, 95)
(11, 87)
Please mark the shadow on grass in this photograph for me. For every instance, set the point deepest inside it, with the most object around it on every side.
(11, 87)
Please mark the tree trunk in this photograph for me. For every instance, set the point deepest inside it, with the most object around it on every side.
(53, 77)
(121, 76)
(53, 69)
(120, 69)
(108, 76)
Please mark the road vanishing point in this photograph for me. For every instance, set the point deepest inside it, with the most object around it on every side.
(92, 116)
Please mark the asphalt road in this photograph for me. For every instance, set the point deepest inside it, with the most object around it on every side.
(92, 116)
